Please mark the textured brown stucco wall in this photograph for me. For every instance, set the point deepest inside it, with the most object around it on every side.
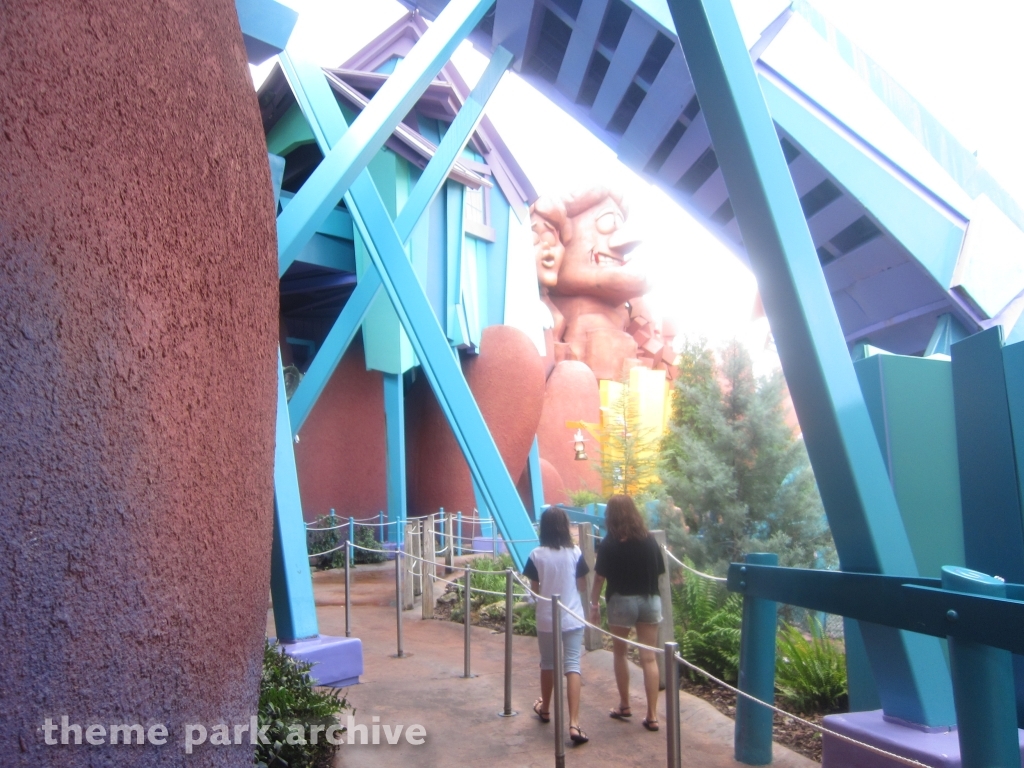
(138, 318)
(341, 456)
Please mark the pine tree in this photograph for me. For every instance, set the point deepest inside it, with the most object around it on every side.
(740, 478)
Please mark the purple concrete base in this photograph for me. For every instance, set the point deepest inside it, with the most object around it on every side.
(337, 661)
(483, 545)
(938, 748)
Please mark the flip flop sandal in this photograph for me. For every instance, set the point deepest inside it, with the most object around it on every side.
(621, 713)
(545, 717)
(650, 725)
(580, 737)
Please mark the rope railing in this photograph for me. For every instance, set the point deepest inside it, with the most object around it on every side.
(528, 594)
(692, 570)
(796, 718)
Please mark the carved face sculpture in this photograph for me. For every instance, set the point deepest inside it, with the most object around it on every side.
(548, 221)
(597, 255)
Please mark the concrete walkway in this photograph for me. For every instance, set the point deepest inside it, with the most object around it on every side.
(461, 716)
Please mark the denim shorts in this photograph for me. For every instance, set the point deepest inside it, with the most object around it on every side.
(572, 643)
(628, 610)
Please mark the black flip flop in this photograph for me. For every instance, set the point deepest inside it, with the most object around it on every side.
(580, 737)
(621, 713)
(545, 717)
(651, 725)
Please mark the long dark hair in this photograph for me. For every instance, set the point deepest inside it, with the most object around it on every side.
(554, 529)
(623, 519)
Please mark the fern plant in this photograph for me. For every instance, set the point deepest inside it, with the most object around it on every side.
(708, 626)
(810, 674)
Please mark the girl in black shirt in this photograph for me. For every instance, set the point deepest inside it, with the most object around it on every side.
(630, 560)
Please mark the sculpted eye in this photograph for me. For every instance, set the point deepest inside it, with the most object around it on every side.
(608, 222)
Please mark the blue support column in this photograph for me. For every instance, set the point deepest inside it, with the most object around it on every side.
(753, 740)
(394, 417)
(910, 670)
(291, 584)
(983, 685)
(536, 481)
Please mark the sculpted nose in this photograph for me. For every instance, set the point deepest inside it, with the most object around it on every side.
(624, 240)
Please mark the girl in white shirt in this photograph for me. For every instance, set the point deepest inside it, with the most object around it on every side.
(557, 567)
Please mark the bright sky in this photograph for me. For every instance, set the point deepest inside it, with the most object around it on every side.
(959, 60)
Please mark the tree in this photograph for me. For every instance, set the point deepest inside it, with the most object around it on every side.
(740, 477)
(629, 451)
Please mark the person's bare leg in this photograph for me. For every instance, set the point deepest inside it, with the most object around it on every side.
(573, 683)
(621, 663)
(547, 684)
(648, 635)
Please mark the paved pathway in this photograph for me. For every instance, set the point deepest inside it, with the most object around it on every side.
(461, 716)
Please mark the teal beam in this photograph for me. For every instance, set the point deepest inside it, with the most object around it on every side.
(329, 123)
(266, 26)
(333, 349)
(442, 369)
(536, 480)
(753, 729)
(291, 584)
(349, 156)
(910, 670)
(394, 419)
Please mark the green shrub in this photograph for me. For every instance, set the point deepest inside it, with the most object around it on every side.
(287, 696)
(810, 674)
(493, 581)
(524, 619)
(365, 538)
(323, 541)
(708, 621)
(584, 496)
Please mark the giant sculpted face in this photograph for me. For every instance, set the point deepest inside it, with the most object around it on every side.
(588, 278)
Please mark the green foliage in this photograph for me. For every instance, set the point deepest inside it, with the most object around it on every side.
(584, 496)
(326, 540)
(708, 621)
(287, 697)
(494, 581)
(741, 479)
(810, 674)
(524, 619)
(365, 538)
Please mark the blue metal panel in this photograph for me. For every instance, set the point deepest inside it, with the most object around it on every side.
(455, 316)
(368, 132)
(993, 533)
(291, 584)
(581, 47)
(442, 370)
(276, 175)
(497, 260)
(668, 96)
(928, 234)
(629, 53)
(394, 417)
(266, 26)
(861, 507)
(333, 349)
(512, 26)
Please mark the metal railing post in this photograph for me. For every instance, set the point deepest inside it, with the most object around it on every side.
(672, 705)
(466, 623)
(428, 568)
(351, 530)
(507, 711)
(348, 590)
(983, 693)
(459, 516)
(449, 554)
(753, 733)
(559, 671)
(398, 599)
